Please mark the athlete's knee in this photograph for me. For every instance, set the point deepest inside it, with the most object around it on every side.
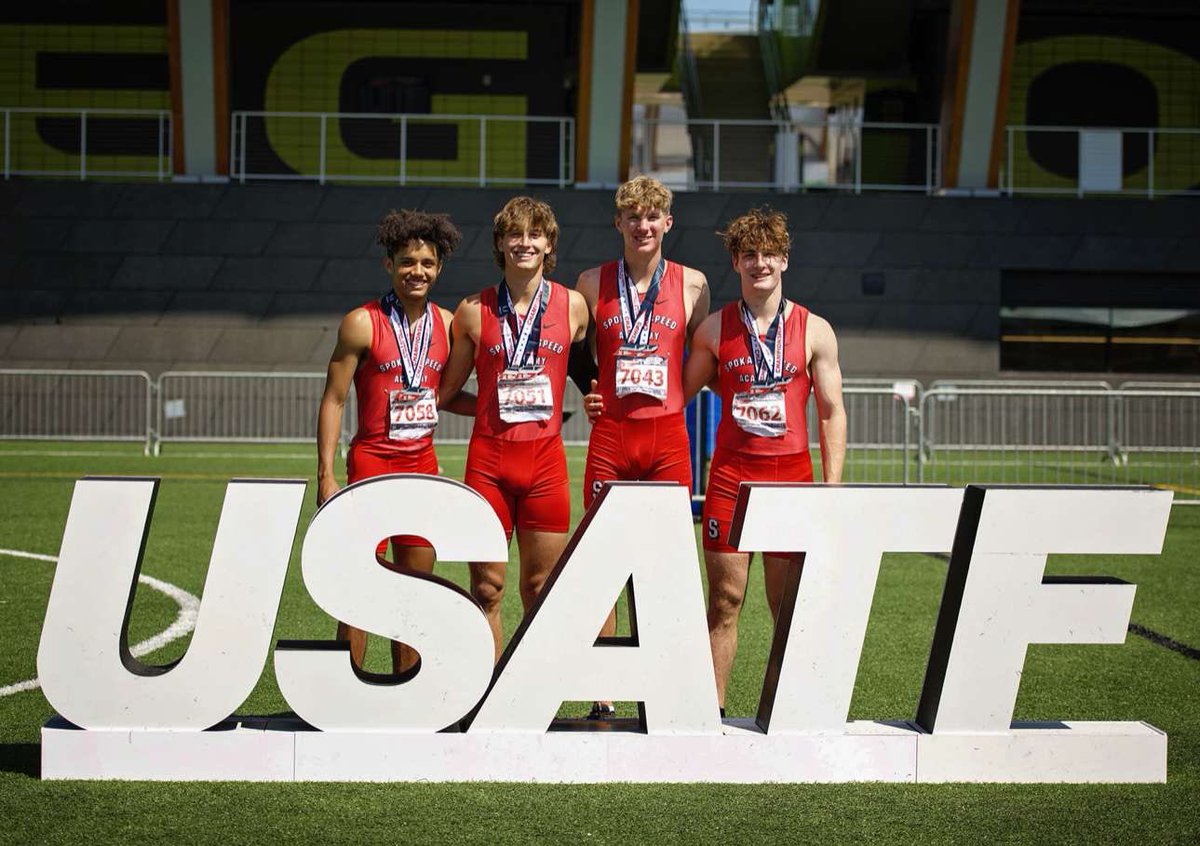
(531, 587)
(487, 590)
(724, 602)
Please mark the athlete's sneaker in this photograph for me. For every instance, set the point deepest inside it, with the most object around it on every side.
(600, 711)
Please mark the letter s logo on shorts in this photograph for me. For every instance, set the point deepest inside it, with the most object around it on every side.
(714, 533)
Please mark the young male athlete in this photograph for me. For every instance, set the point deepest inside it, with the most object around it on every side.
(766, 352)
(517, 335)
(394, 350)
(644, 310)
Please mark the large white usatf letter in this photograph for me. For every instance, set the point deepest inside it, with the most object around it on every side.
(843, 532)
(84, 663)
(638, 533)
(997, 600)
(430, 614)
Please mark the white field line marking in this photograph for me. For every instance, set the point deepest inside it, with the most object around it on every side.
(185, 620)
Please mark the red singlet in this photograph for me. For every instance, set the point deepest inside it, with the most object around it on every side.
(521, 468)
(735, 369)
(379, 373)
(490, 363)
(668, 332)
(639, 438)
(372, 452)
(741, 456)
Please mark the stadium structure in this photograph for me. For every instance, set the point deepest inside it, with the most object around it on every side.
(977, 188)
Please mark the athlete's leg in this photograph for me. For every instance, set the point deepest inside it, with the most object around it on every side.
(775, 574)
(484, 475)
(727, 575)
(540, 551)
(487, 586)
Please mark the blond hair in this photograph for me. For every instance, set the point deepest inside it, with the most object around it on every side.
(644, 192)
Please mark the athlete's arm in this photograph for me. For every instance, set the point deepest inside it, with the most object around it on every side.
(827, 388)
(464, 402)
(353, 342)
(464, 335)
(697, 301)
(701, 367)
(581, 363)
(581, 316)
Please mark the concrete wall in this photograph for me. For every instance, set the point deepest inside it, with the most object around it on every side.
(159, 277)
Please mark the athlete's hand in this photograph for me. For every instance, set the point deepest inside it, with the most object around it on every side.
(325, 489)
(593, 403)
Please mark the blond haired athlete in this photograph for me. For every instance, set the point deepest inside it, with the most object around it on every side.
(644, 310)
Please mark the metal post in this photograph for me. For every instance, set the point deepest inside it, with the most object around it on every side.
(716, 155)
(7, 144)
(403, 149)
(571, 155)
(321, 170)
(160, 146)
(482, 151)
(1150, 164)
(1079, 175)
(233, 145)
(1008, 131)
(245, 118)
(858, 160)
(82, 144)
(562, 153)
(928, 159)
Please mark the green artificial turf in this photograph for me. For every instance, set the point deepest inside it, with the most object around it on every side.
(1137, 680)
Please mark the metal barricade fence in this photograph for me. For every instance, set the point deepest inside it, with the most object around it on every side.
(266, 407)
(1061, 436)
(210, 406)
(91, 405)
(880, 436)
(967, 432)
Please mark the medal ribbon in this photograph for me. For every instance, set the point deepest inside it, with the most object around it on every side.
(635, 331)
(768, 355)
(521, 337)
(414, 347)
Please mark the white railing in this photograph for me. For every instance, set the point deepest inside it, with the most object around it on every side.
(1081, 435)
(970, 431)
(854, 156)
(1082, 160)
(106, 142)
(76, 405)
(403, 149)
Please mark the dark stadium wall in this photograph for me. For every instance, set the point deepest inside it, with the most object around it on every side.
(256, 277)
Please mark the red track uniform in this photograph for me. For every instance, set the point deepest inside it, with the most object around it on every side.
(639, 437)
(521, 468)
(742, 456)
(380, 446)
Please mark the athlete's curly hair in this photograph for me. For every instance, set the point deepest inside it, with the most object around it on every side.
(525, 214)
(761, 229)
(644, 192)
(399, 227)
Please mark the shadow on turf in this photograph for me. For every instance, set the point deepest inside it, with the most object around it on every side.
(21, 758)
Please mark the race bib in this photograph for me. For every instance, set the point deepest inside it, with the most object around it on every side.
(524, 396)
(761, 413)
(411, 414)
(641, 374)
